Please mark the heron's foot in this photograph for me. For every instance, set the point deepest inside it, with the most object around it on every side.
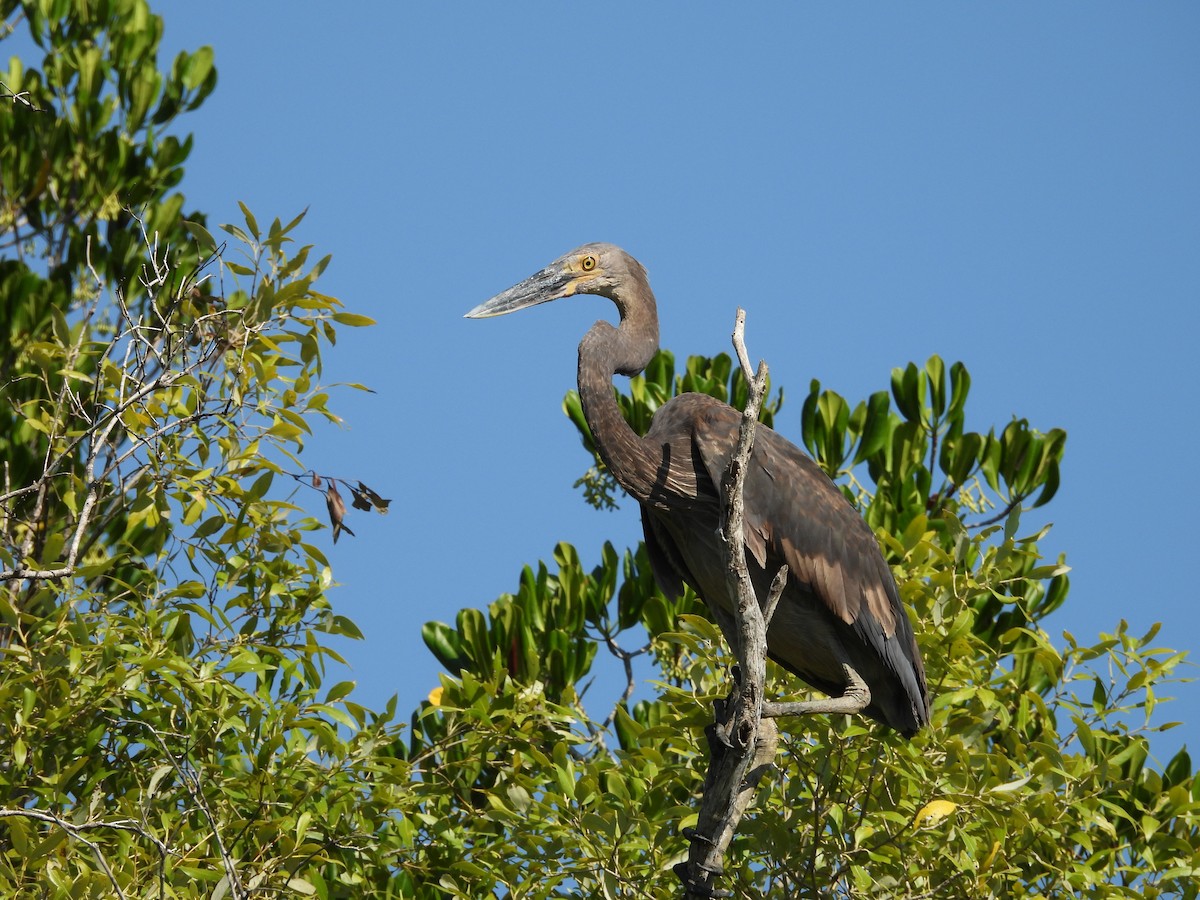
(718, 737)
(855, 698)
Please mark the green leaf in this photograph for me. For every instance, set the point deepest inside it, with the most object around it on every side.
(346, 628)
(960, 387)
(935, 370)
(201, 235)
(876, 427)
(445, 643)
(1011, 523)
(908, 391)
(1011, 786)
(1178, 770)
(251, 222)
(340, 690)
(199, 66)
(352, 319)
(261, 485)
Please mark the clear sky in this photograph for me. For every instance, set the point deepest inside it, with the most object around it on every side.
(1015, 186)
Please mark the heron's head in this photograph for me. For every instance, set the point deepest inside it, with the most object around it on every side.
(591, 269)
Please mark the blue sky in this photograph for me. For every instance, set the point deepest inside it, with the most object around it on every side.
(1015, 186)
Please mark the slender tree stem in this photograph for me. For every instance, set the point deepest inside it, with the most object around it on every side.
(742, 743)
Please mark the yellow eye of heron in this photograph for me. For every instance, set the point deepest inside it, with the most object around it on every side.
(588, 263)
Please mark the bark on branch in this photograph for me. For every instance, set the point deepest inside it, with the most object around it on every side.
(77, 830)
(741, 741)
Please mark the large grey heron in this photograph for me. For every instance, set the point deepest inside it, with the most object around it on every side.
(839, 624)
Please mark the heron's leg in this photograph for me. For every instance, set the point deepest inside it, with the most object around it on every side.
(855, 698)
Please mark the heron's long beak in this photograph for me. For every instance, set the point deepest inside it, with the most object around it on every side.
(548, 284)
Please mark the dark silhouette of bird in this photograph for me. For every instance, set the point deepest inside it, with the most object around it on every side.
(840, 624)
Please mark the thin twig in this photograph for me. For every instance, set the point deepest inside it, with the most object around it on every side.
(778, 583)
(191, 781)
(626, 657)
(21, 97)
(76, 831)
(1002, 515)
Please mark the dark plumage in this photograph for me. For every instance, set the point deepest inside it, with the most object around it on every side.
(840, 607)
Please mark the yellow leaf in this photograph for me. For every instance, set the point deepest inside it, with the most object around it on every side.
(435, 696)
(933, 812)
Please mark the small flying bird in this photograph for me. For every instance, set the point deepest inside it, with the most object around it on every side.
(840, 624)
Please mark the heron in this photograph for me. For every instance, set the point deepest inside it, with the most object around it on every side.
(840, 625)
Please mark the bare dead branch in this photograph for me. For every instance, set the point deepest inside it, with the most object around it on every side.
(21, 97)
(20, 573)
(778, 583)
(152, 364)
(626, 657)
(856, 698)
(76, 831)
(741, 743)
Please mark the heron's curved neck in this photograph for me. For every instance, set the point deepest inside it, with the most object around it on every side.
(603, 352)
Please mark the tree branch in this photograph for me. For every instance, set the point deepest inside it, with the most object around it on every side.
(191, 781)
(76, 831)
(741, 742)
(1002, 515)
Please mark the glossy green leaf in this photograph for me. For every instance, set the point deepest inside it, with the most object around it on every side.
(876, 427)
(908, 392)
(935, 372)
(198, 68)
(352, 319)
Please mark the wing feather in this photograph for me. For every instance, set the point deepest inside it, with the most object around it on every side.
(803, 520)
(794, 514)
